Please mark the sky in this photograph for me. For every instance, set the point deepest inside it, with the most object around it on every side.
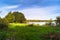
(32, 9)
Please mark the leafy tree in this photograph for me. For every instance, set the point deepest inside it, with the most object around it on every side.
(49, 23)
(3, 23)
(58, 21)
(19, 17)
(15, 17)
(0, 19)
(10, 17)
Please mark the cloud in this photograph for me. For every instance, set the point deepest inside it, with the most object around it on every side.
(40, 13)
(35, 12)
(10, 7)
(4, 10)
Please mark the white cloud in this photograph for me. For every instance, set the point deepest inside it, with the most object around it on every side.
(9, 7)
(41, 13)
(37, 12)
(4, 10)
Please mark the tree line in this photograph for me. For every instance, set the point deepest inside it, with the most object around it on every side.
(12, 17)
(18, 17)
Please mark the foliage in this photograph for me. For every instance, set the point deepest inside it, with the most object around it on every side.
(31, 25)
(52, 36)
(28, 33)
(19, 17)
(49, 23)
(3, 23)
(58, 21)
(16, 17)
(10, 17)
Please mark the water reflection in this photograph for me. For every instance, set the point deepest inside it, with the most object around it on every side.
(40, 23)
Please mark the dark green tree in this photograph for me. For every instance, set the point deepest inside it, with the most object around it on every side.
(58, 21)
(49, 23)
(3, 23)
(19, 17)
(0, 19)
(10, 17)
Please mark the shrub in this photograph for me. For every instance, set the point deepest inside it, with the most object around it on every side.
(58, 21)
(31, 25)
(3, 23)
(52, 36)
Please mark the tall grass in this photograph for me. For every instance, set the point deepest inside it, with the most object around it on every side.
(28, 33)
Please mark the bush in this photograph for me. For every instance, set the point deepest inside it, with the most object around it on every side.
(52, 36)
(31, 25)
(3, 23)
(58, 21)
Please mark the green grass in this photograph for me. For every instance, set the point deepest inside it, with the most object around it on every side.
(13, 25)
(20, 32)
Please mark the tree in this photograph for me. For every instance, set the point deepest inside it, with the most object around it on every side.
(3, 23)
(19, 17)
(0, 20)
(10, 17)
(49, 23)
(58, 21)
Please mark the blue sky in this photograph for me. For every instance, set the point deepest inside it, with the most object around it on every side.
(32, 9)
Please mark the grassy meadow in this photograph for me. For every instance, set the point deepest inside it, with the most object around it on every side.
(18, 31)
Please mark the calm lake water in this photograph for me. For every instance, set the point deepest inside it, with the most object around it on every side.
(40, 23)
